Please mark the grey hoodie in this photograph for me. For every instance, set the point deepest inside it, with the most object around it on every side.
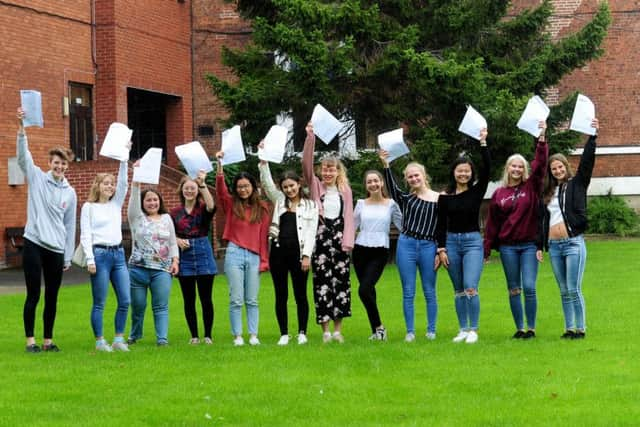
(51, 206)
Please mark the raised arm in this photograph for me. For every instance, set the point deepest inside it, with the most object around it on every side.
(268, 185)
(588, 158)
(307, 161)
(122, 185)
(134, 210)
(25, 160)
(207, 197)
(485, 169)
(222, 192)
(394, 191)
(539, 164)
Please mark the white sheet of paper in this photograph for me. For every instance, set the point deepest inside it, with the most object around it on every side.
(274, 144)
(193, 158)
(115, 144)
(232, 146)
(31, 103)
(472, 123)
(149, 170)
(535, 112)
(583, 115)
(393, 143)
(325, 125)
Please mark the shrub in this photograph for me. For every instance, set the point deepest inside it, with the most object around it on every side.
(611, 215)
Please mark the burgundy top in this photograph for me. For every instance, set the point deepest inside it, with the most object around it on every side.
(513, 211)
(192, 225)
(242, 232)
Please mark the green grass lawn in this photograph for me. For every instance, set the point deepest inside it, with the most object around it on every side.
(498, 381)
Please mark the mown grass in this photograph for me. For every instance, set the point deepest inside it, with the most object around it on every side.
(498, 381)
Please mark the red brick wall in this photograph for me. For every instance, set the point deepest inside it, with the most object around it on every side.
(42, 51)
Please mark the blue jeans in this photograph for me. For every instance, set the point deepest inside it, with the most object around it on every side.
(242, 268)
(412, 255)
(521, 271)
(110, 266)
(159, 283)
(568, 258)
(466, 260)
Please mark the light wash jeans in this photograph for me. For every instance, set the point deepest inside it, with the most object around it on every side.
(521, 271)
(568, 258)
(110, 266)
(466, 261)
(412, 255)
(242, 268)
(159, 283)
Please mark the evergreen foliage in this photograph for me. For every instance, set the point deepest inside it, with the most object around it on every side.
(412, 62)
(611, 215)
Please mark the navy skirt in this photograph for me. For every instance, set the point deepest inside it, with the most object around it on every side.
(197, 259)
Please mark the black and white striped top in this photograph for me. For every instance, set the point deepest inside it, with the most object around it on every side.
(419, 217)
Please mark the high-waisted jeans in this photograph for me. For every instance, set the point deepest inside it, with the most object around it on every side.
(568, 258)
(521, 271)
(466, 261)
(242, 268)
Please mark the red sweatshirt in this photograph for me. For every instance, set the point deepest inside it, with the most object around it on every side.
(513, 211)
(242, 232)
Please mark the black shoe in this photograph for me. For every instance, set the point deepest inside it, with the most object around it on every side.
(33, 348)
(579, 335)
(529, 334)
(50, 347)
(568, 335)
(519, 334)
(131, 340)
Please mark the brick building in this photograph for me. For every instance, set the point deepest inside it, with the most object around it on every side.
(143, 63)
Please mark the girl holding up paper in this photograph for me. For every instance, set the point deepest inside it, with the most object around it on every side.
(49, 235)
(416, 244)
(564, 222)
(334, 239)
(373, 217)
(192, 220)
(101, 239)
(512, 228)
(154, 259)
(293, 236)
(459, 240)
(247, 254)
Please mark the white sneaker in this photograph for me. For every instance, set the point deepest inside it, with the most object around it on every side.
(104, 346)
(120, 346)
(431, 336)
(337, 336)
(208, 341)
(302, 339)
(194, 341)
(472, 337)
(410, 337)
(238, 341)
(462, 335)
(326, 337)
(284, 340)
(253, 340)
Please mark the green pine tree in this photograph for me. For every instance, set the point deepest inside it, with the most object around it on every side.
(412, 62)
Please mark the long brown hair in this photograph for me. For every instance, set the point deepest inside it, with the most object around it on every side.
(550, 182)
(253, 202)
(383, 188)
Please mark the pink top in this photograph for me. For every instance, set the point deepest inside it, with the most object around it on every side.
(513, 211)
(242, 232)
(318, 190)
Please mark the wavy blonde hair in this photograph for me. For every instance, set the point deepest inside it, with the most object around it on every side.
(423, 171)
(505, 172)
(94, 191)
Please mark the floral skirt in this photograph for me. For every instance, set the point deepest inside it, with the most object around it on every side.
(331, 285)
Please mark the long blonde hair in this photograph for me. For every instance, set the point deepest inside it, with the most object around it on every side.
(342, 182)
(94, 191)
(511, 159)
(422, 170)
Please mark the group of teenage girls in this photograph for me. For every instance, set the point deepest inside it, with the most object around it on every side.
(535, 208)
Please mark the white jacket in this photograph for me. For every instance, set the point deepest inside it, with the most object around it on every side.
(306, 212)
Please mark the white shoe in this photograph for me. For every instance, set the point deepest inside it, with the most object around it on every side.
(284, 340)
(238, 341)
(194, 341)
(338, 337)
(120, 346)
(462, 335)
(253, 340)
(472, 337)
(302, 339)
(431, 336)
(410, 337)
(208, 341)
(326, 337)
(104, 346)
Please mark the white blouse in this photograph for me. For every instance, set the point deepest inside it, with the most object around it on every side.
(373, 221)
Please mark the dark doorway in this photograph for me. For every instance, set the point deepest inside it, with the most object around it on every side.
(147, 117)
(81, 121)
